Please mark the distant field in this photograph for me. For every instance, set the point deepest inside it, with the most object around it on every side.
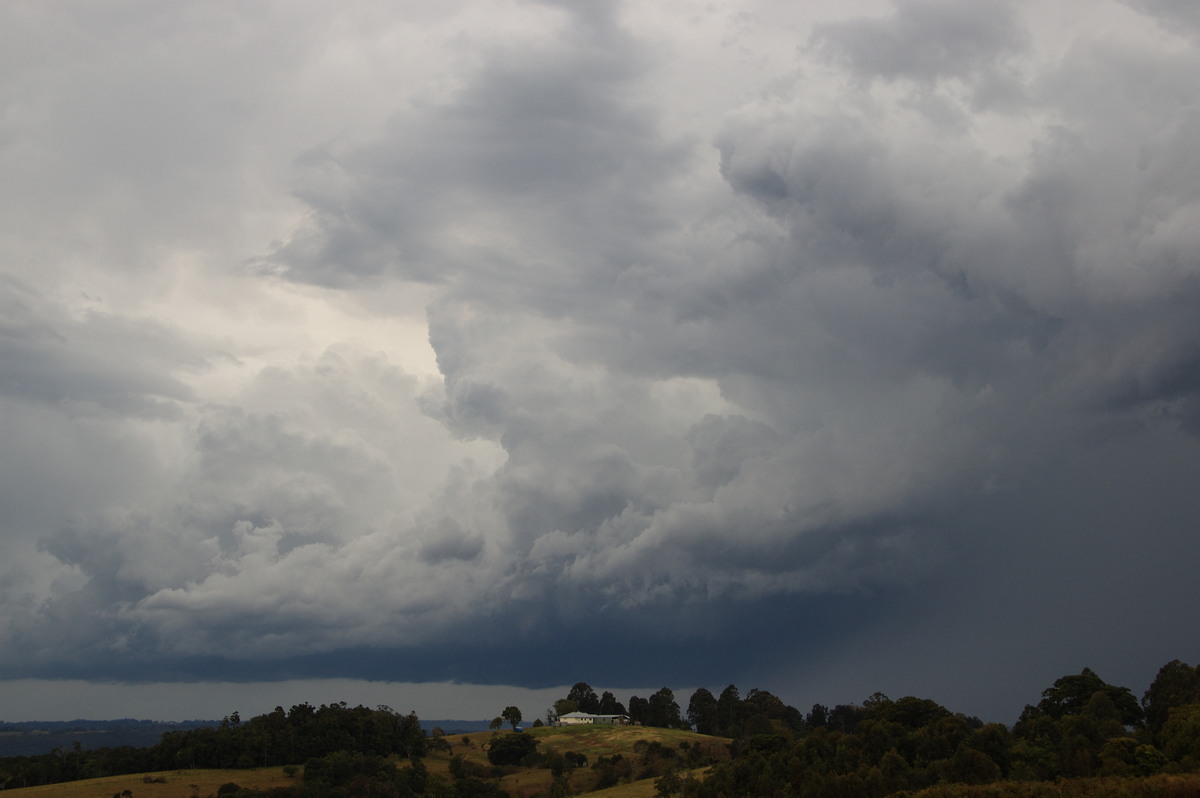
(41, 737)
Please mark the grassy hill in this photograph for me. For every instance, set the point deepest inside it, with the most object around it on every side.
(624, 753)
(633, 749)
(174, 784)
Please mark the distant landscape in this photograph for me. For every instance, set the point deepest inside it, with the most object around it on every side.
(29, 738)
(1083, 737)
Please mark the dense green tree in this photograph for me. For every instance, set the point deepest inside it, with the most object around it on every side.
(510, 749)
(512, 716)
(895, 772)
(585, 698)
(913, 713)
(340, 768)
(845, 717)
(1177, 684)
(668, 784)
(1066, 733)
(969, 766)
(729, 712)
(766, 713)
(1181, 736)
(1069, 695)
(563, 706)
(995, 741)
(609, 705)
(702, 711)
(939, 739)
(817, 716)
(639, 709)
(662, 711)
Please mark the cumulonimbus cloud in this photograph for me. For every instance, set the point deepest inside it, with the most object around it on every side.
(672, 370)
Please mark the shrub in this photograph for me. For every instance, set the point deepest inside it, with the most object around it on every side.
(511, 749)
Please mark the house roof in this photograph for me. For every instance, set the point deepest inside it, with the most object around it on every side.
(589, 715)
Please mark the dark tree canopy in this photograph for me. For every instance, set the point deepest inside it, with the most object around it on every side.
(585, 698)
(1070, 695)
(564, 706)
(510, 749)
(767, 713)
(1177, 684)
(609, 705)
(729, 714)
(912, 713)
(639, 709)
(702, 711)
(512, 716)
(662, 711)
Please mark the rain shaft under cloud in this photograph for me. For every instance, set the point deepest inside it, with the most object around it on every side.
(867, 343)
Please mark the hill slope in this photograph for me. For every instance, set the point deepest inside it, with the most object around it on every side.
(611, 756)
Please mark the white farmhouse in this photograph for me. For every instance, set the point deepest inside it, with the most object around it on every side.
(583, 718)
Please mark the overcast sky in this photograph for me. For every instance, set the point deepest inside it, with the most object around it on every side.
(823, 348)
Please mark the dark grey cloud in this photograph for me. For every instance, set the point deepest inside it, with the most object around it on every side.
(1177, 16)
(95, 362)
(931, 41)
(541, 132)
(892, 363)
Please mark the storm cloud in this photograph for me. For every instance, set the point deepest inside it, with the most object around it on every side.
(821, 353)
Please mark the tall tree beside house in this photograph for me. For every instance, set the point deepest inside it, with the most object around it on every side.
(564, 706)
(609, 705)
(662, 711)
(639, 709)
(585, 698)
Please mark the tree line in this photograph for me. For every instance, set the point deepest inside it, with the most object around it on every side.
(1082, 727)
(300, 735)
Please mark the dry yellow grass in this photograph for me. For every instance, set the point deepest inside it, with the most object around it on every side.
(592, 742)
(179, 784)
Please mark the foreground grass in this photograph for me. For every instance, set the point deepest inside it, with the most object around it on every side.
(179, 784)
(1185, 785)
(204, 783)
